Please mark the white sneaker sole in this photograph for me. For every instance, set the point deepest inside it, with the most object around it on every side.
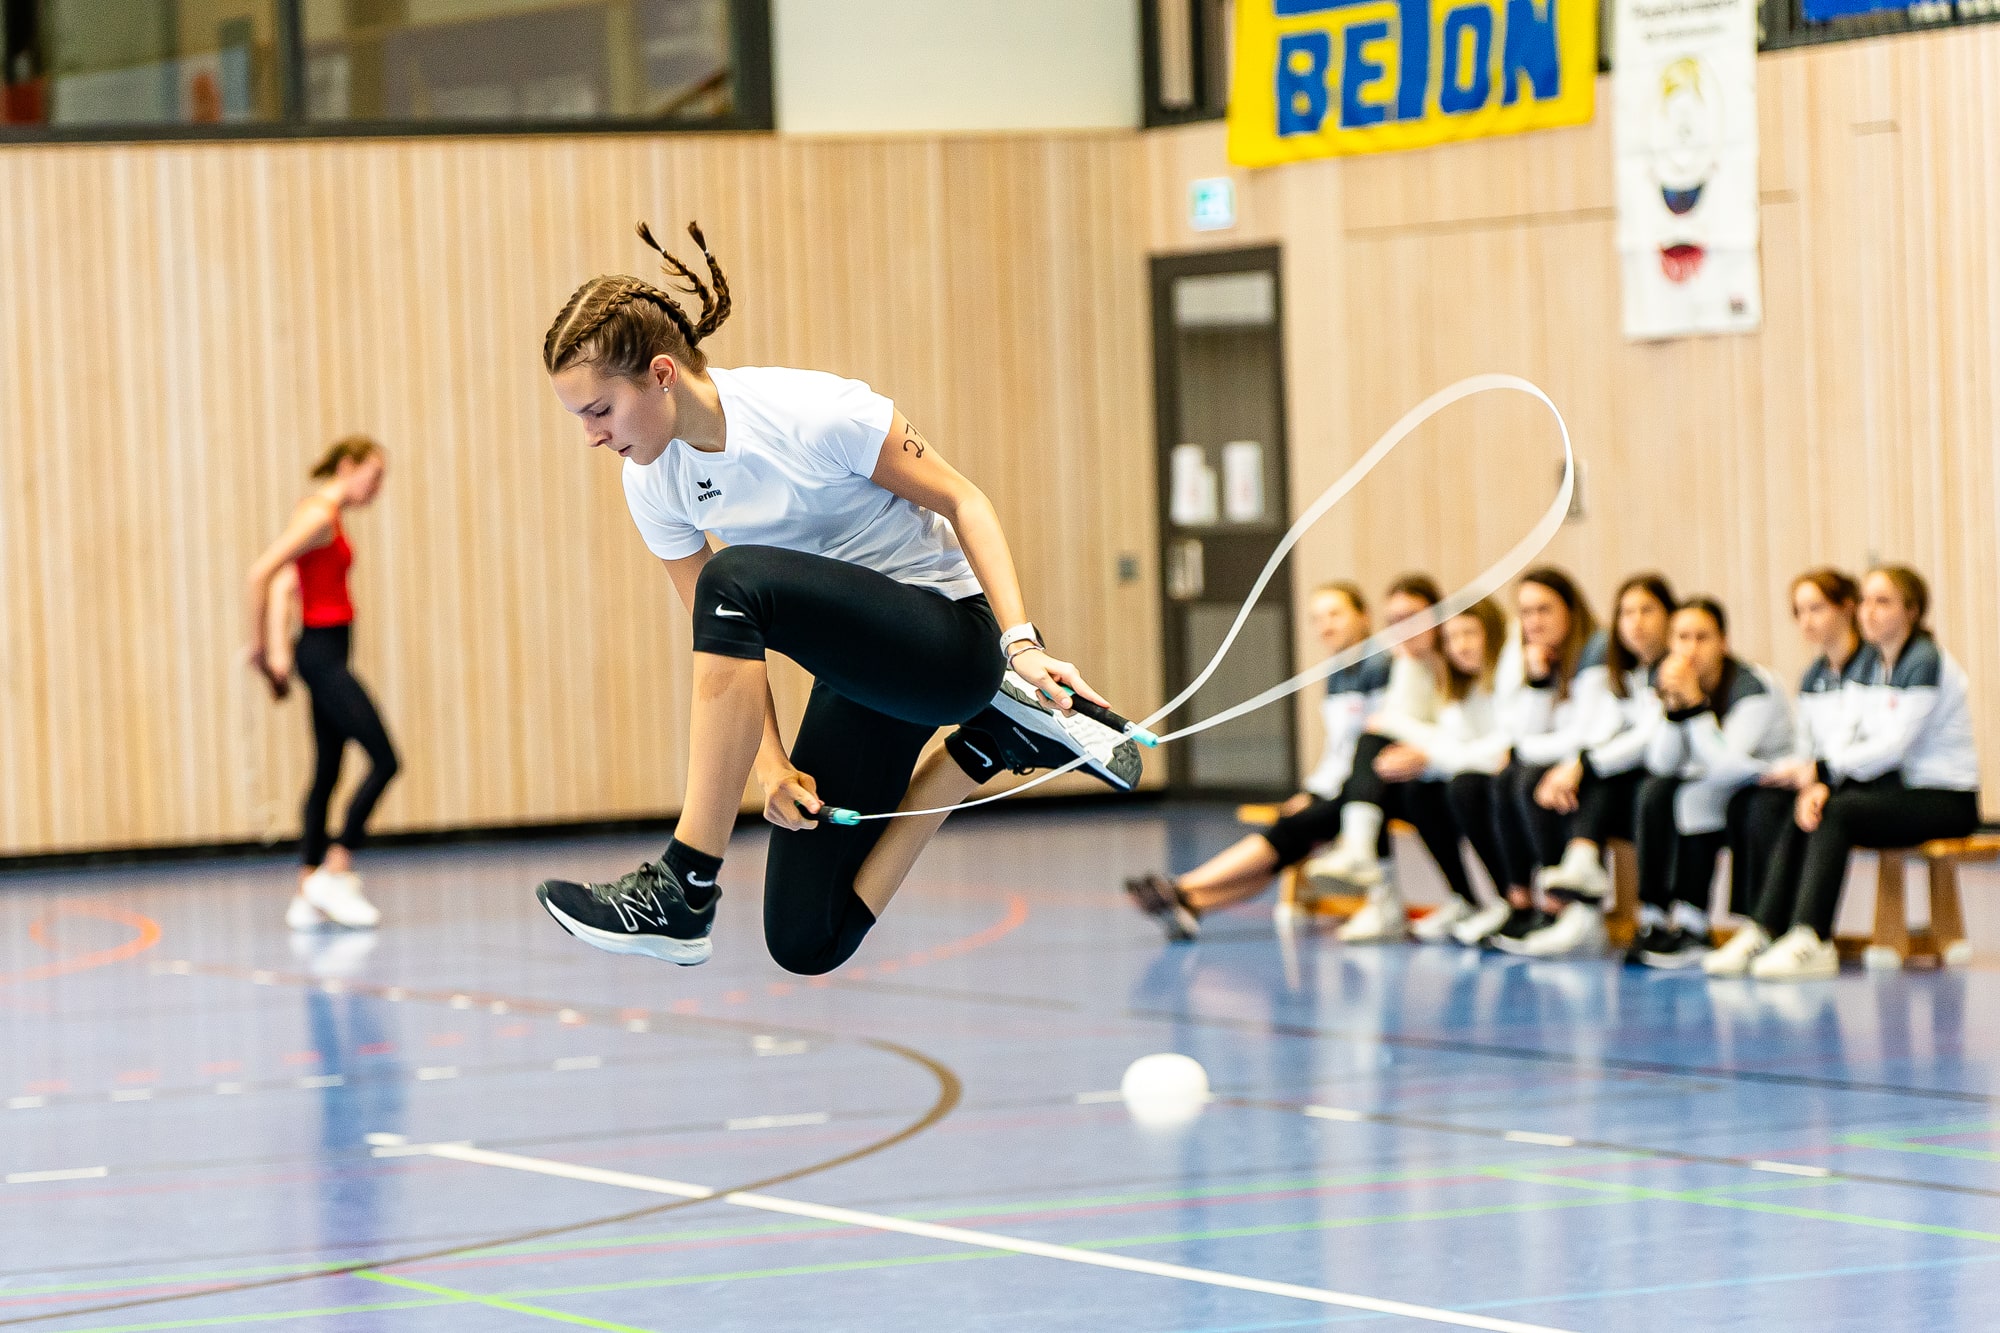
(1384, 930)
(1362, 878)
(349, 912)
(687, 953)
(1430, 930)
(1026, 713)
(1674, 962)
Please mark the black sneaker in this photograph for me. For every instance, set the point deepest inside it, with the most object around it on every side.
(1156, 896)
(645, 912)
(1521, 923)
(1674, 950)
(1014, 732)
(1652, 939)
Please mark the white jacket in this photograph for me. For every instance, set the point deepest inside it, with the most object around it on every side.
(1624, 727)
(1412, 703)
(1825, 708)
(1547, 730)
(1718, 750)
(1353, 695)
(1917, 719)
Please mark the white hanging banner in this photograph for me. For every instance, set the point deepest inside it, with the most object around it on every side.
(1684, 89)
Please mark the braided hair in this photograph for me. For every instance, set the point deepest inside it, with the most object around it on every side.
(620, 324)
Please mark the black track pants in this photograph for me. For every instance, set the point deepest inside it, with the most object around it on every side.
(891, 664)
(1475, 805)
(341, 712)
(1604, 806)
(1423, 805)
(1673, 866)
(1882, 813)
(1530, 836)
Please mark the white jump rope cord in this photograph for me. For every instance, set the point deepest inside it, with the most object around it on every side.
(1484, 585)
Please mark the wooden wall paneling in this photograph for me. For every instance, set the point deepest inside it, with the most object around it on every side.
(528, 655)
(23, 711)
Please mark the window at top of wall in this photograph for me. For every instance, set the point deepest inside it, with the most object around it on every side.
(149, 68)
(519, 60)
(137, 63)
(1188, 50)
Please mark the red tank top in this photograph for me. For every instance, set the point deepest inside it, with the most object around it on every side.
(323, 581)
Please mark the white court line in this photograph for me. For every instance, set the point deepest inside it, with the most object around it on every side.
(1791, 1169)
(1545, 1140)
(778, 1121)
(73, 1173)
(985, 1240)
(1340, 1113)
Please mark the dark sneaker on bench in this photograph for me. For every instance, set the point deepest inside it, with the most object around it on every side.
(1015, 732)
(645, 912)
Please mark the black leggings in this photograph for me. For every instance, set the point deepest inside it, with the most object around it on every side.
(891, 663)
(341, 712)
(1605, 806)
(1803, 879)
(1475, 805)
(1673, 866)
(1424, 805)
(1530, 837)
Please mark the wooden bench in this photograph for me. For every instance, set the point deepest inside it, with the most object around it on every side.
(1943, 942)
(1621, 922)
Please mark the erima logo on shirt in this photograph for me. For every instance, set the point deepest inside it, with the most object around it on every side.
(708, 491)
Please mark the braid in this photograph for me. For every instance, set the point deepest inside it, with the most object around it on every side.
(622, 323)
(594, 303)
(668, 306)
(714, 294)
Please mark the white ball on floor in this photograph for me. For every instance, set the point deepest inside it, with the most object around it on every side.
(1164, 1091)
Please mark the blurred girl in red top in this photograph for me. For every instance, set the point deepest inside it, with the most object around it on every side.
(312, 554)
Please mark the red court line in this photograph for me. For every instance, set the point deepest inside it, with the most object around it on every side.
(148, 935)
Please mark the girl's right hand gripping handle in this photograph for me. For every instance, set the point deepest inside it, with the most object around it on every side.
(1098, 713)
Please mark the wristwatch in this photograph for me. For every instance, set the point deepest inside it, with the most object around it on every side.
(1025, 632)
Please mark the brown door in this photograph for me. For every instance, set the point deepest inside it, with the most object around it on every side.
(1218, 359)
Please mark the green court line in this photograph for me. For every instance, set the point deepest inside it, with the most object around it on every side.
(555, 1248)
(511, 1299)
(1925, 1131)
(1342, 1223)
(1885, 1143)
(1602, 1193)
(501, 1303)
(1635, 1194)
(1118, 1243)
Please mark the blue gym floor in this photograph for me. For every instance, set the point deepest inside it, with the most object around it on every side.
(485, 1125)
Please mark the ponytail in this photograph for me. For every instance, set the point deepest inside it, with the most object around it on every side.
(354, 448)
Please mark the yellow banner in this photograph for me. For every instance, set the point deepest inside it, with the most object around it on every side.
(1316, 78)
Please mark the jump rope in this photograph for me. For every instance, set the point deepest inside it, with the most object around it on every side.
(1482, 586)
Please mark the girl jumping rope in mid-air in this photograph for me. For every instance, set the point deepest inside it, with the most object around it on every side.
(854, 549)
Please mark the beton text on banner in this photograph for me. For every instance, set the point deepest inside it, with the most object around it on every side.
(1314, 78)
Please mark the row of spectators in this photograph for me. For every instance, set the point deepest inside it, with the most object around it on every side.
(1539, 743)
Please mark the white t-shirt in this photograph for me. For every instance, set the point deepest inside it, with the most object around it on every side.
(799, 447)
